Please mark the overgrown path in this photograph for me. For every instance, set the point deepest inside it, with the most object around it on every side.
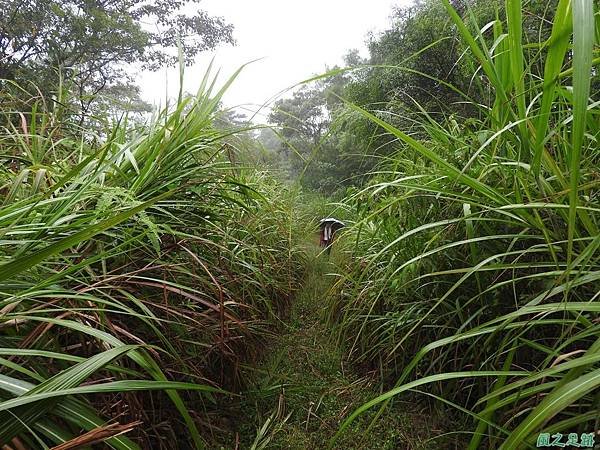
(306, 388)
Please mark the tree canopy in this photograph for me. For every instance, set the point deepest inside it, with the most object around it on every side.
(417, 67)
(89, 42)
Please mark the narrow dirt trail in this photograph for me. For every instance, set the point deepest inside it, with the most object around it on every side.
(306, 388)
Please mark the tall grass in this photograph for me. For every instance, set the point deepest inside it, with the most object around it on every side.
(478, 274)
(138, 270)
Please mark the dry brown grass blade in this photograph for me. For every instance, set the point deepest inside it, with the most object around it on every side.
(97, 435)
(195, 298)
(41, 329)
(221, 301)
(24, 127)
(16, 445)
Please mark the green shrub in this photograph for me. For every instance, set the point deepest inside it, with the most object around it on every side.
(139, 270)
(478, 245)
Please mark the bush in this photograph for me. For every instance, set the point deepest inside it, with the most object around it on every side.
(478, 244)
(140, 270)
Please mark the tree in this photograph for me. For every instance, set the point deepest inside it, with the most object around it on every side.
(317, 131)
(118, 99)
(88, 42)
(302, 120)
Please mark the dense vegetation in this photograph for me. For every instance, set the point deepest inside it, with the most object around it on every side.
(478, 241)
(141, 261)
(90, 43)
(159, 281)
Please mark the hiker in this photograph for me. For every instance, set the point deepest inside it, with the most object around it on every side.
(328, 228)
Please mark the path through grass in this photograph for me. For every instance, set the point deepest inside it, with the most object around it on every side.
(305, 387)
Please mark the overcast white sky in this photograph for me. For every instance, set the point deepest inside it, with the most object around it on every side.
(297, 39)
